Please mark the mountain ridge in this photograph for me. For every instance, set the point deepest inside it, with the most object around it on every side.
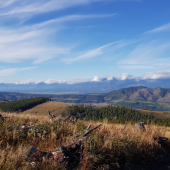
(138, 97)
(140, 93)
(102, 86)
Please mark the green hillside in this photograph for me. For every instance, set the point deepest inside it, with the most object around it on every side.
(139, 104)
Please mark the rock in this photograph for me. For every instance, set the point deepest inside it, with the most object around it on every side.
(22, 128)
(161, 140)
(140, 126)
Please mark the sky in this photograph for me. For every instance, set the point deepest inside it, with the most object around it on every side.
(81, 40)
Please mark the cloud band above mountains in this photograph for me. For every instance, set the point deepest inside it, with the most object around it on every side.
(125, 76)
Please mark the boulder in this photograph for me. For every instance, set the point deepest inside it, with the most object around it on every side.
(140, 126)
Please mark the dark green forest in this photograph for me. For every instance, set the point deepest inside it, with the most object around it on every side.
(22, 105)
(121, 113)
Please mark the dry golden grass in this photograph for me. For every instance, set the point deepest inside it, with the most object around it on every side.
(106, 148)
(130, 130)
(39, 112)
(158, 114)
(22, 116)
(42, 109)
(107, 143)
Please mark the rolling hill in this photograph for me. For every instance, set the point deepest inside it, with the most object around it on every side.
(138, 97)
(56, 108)
(140, 93)
(130, 93)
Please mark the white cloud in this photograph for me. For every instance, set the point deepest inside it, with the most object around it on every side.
(50, 81)
(110, 77)
(78, 80)
(125, 76)
(157, 75)
(96, 78)
(27, 82)
(11, 71)
(103, 78)
(162, 28)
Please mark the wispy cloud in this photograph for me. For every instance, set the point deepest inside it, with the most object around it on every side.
(12, 71)
(24, 9)
(148, 55)
(31, 42)
(88, 54)
(162, 28)
(20, 8)
(17, 47)
(98, 51)
(34, 7)
(71, 18)
(7, 3)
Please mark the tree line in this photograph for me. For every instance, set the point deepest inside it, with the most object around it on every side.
(115, 114)
(22, 105)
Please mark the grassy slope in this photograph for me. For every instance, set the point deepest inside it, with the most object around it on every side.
(107, 148)
(61, 108)
(42, 109)
(157, 114)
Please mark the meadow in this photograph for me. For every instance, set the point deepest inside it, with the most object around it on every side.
(108, 147)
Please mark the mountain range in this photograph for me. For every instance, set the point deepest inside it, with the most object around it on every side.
(102, 86)
(138, 97)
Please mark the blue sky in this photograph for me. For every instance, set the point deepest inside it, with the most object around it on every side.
(82, 40)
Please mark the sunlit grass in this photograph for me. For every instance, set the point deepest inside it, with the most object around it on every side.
(107, 147)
